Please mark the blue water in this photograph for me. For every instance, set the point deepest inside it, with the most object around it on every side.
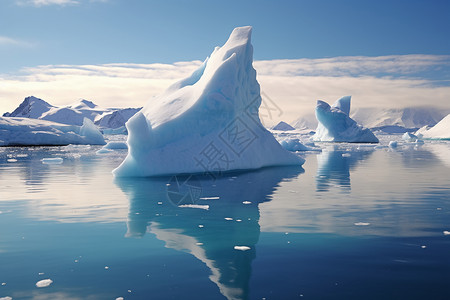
(353, 223)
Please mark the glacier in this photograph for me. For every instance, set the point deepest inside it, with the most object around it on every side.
(335, 125)
(34, 132)
(440, 131)
(207, 122)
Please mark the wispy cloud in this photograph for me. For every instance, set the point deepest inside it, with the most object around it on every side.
(8, 41)
(47, 2)
(295, 85)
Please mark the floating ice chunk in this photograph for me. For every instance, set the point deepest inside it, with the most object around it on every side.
(408, 136)
(52, 160)
(6, 298)
(446, 232)
(246, 202)
(229, 219)
(89, 131)
(291, 144)
(215, 109)
(104, 151)
(11, 160)
(106, 267)
(205, 207)
(393, 144)
(201, 226)
(346, 155)
(335, 125)
(209, 198)
(113, 145)
(242, 248)
(362, 224)
(119, 298)
(44, 283)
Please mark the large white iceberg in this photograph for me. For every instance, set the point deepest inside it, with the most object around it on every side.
(25, 132)
(440, 131)
(335, 125)
(207, 122)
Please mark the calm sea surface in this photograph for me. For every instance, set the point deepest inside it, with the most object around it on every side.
(353, 223)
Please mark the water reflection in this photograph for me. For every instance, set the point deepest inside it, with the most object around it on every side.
(208, 219)
(334, 165)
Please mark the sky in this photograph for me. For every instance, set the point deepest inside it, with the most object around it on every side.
(120, 53)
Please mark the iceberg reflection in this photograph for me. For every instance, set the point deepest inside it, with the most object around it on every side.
(206, 218)
(334, 165)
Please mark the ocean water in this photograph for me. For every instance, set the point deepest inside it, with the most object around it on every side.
(353, 223)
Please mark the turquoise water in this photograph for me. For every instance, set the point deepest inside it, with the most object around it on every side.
(353, 223)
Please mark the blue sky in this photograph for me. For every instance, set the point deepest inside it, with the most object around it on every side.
(37, 33)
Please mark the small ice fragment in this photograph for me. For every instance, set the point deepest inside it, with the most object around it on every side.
(104, 151)
(199, 244)
(22, 155)
(209, 198)
(393, 144)
(5, 298)
(288, 242)
(362, 224)
(44, 283)
(423, 246)
(205, 207)
(167, 184)
(439, 208)
(3, 283)
(12, 160)
(346, 155)
(41, 273)
(229, 219)
(52, 160)
(238, 220)
(201, 226)
(446, 232)
(241, 248)
(286, 233)
(159, 203)
(129, 291)
(246, 202)
(106, 267)
(119, 298)
(76, 260)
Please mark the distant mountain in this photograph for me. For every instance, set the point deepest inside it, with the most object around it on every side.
(307, 121)
(283, 126)
(35, 108)
(409, 117)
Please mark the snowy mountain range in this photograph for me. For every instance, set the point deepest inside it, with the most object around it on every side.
(105, 118)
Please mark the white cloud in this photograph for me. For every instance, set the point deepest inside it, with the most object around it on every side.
(294, 85)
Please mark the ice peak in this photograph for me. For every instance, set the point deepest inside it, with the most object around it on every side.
(84, 104)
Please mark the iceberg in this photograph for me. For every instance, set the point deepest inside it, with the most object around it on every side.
(335, 125)
(33, 132)
(440, 131)
(207, 122)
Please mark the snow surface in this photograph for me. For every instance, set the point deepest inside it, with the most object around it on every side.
(207, 122)
(336, 126)
(440, 131)
(24, 131)
(108, 118)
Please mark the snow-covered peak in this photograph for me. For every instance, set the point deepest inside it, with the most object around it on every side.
(283, 126)
(31, 107)
(83, 104)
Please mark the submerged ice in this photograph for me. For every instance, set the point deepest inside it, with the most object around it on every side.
(207, 122)
(335, 125)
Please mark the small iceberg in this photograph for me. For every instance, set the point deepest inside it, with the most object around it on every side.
(44, 283)
(335, 125)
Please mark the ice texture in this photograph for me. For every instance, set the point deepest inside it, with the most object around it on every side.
(24, 131)
(293, 144)
(440, 131)
(335, 125)
(207, 122)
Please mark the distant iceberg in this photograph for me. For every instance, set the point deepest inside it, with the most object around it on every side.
(440, 131)
(283, 126)
(207, 122)
(32, 132)
(335, 125)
